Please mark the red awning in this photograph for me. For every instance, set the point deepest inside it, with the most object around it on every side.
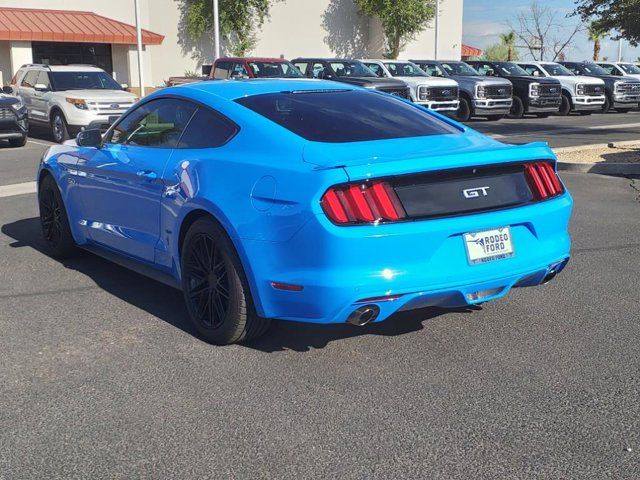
(68, 26)
(468, 51)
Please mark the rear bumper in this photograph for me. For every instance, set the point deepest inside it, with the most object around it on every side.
(424, 262)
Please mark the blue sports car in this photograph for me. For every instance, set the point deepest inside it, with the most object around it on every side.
(305, 200)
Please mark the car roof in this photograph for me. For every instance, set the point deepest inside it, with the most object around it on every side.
(252, 59)
(321, 59)
(64, 68)
(234, 89)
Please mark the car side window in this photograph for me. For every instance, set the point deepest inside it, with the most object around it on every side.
(302, 66)
(30, 79)
(485, 69)
(207, 129)
(222, 70)
(158, 124)
(531, 70)
(43, 79)
(611, 70)
(317, 69)
(239, 70)
(375, 68)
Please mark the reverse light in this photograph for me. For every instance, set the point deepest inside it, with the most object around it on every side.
(358, 203)
(543, 180)
(78, 103)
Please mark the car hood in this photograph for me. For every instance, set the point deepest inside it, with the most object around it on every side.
(101, 95)
(575, 79)
(362, 160)
(631, 76)
(375, 81)
(480, 80)
(541, 80)
(431, 81)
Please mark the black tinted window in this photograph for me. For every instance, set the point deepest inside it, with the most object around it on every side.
(83, 81)
(345, 115)
(158, 123)
(207, 129)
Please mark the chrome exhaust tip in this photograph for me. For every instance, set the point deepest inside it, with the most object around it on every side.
(550, 276)
(364, 315)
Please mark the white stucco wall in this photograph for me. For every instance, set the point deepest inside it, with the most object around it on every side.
(295, 28)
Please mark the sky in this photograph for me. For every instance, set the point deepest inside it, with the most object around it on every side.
(484, 20)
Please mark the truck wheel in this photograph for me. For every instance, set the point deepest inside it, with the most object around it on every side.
(606, 107)
(517, 109)
(565, 106)
(59, 128)
(463, 114)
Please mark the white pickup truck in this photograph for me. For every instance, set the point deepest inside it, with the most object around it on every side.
(439, 94)
(581, 94)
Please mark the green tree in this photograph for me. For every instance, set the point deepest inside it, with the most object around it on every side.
(623, 16)
(239, 21)
(596, 34)
(509, 41)
(401, 20)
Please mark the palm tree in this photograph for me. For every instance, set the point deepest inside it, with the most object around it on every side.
(596, 34)
(509, 41)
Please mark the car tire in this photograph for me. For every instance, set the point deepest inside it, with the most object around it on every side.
(54, 221)
(495, 118)
(463, 114)
(606, 107)
(59, 128)
(565, 106)
(18, 142)
(517, 109)
(223, 313)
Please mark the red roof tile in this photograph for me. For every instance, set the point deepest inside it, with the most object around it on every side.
(468, 51)
(68, 26)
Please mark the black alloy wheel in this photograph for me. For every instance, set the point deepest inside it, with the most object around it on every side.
(517, 109)
(53, 220)
(565, 106)
(463, 114)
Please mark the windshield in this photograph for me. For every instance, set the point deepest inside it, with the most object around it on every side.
(510, 69)
(341, 116)
(432, 70)
(459, 68)
(593, 69)
(400, 69)
(555, 69)
(629, 68)
(83, 81)
(351, 69)
(274, 70)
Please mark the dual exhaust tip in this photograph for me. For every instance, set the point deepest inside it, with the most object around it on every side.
(363, 315)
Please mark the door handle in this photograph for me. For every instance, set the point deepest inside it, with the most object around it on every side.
(148, 174)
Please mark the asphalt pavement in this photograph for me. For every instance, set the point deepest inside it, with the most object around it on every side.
(101, 377)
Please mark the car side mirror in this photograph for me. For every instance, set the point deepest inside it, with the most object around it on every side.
(124, 86)
(7, 89)
(89, 138)
(41, 87)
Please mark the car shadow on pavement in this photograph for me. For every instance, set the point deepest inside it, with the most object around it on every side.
(167, 304)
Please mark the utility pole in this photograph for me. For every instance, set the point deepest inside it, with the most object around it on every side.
(437, 39)
(216, 28)
(620, 50)
(139, 41)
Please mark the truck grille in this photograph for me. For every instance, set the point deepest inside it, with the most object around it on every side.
(397, 92)
(594, 90)
(440, 94)
(109, 108)
(550, 90)
(7, 114)
(498, 91)
(630, 87)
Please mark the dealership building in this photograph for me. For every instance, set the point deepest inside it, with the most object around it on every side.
(103, 33)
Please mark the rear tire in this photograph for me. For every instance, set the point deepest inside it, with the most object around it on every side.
(463, 114)
(59, 128)
(18, 142)
(216, 291)
(54, 221)
(517, 109)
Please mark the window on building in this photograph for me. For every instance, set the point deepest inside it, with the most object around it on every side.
(67, 53)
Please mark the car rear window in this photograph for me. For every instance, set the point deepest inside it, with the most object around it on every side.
(341, 116)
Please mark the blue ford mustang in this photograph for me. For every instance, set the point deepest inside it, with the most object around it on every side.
(305, 200)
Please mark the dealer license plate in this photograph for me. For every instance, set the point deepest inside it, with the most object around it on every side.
(489, 245)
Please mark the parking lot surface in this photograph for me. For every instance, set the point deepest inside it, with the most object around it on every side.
(101, 376)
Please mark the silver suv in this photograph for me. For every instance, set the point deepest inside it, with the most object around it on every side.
(67, 99)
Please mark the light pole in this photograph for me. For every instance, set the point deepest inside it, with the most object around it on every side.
(620, 50)
(216, 28)
(437, 39)
(139, 41)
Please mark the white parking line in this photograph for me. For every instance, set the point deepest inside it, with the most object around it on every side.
(39, 143)
(17, 189)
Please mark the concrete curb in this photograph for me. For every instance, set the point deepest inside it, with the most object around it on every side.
(602, 168)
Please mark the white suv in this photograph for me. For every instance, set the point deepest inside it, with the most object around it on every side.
(579, 93)
(70, 98)
(439, 94)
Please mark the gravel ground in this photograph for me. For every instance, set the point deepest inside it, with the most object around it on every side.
(622, 154)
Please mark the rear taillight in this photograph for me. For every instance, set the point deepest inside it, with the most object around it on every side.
(362, 203)
(543, 180)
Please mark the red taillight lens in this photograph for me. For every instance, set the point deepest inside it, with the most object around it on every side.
(362, 203)
(543, 180)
